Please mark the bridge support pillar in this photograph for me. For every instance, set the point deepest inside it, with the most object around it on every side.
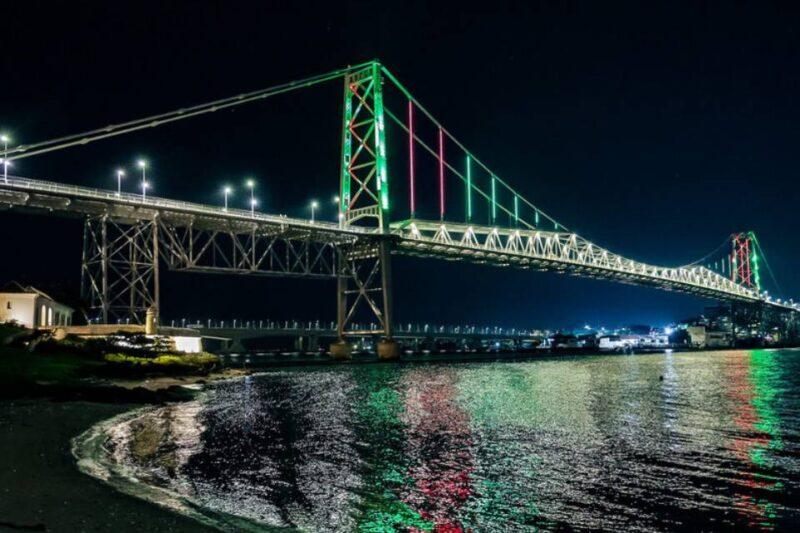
(364, 294)
(341, 350)
(388, 349)
(119, 270)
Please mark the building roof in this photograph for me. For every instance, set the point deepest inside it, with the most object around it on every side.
(13, 287)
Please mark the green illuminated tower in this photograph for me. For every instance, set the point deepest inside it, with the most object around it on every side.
(364, 275)
(364, 187)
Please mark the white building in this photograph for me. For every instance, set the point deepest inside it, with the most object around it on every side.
(32, 308)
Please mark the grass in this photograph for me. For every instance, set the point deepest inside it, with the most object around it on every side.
(73, 362)
(166, 363)
(18, 366)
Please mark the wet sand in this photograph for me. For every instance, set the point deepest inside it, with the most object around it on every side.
(41, 488)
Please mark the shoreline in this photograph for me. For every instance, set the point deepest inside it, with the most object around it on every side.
(43, 489)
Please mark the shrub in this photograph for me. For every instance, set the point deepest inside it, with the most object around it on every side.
(9, 329)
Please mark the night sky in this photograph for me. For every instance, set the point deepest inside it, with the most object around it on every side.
(654, 129)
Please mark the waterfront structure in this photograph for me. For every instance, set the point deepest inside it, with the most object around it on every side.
(32, 308)
(128, 237)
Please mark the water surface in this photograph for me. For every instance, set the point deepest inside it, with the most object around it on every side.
(643, 442)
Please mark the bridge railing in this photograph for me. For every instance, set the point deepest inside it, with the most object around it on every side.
(330, 327)
(136, 200)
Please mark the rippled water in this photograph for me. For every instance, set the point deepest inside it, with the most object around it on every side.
(646, 442)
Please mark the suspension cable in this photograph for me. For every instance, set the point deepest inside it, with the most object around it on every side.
(463, 148)
(153, 121)
(769, 269)
(713, 252)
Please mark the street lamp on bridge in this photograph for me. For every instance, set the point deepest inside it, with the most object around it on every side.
(314, 206)
(6, 164)
(226, 191)
(5, 140)
(143, 165)
(120, 175)
(253, 204)
(251, 185)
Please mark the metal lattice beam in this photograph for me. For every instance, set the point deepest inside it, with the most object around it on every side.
(253, 252)
(119, 270)
(364, 275)
(560, 252)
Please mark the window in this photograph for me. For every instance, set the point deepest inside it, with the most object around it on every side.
(8, 305)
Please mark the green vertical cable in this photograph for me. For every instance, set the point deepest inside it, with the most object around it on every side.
(469, 189)
(494, 199)
(380, 137)
(536, 218)
(754, 261)
(347, 146)
(516, 209)
(756, 274)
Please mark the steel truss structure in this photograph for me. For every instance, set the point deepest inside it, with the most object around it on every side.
(364, 289)
(249, 250)
(120, 270)
(364, 283)
(120, 278)
(560, 252)
(744, 261)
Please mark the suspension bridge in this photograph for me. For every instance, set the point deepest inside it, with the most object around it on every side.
(392, 148)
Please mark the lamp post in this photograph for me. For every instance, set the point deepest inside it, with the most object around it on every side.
(120, 175)
(5, 139)
(251, 185)
(314, 206)
(143, 165)
(339, 214)
(253, 204)
(226, 191)
(6, 164)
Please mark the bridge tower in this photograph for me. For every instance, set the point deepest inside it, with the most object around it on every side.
(744, 261)
(364, 277)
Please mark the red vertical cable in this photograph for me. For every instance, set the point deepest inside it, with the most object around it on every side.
(411, 156)
(441, 174)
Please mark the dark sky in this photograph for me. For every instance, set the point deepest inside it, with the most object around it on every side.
(654, 129)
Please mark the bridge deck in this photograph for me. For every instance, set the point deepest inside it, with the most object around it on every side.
(523, 248)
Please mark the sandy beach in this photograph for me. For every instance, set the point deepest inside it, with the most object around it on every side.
(41, 488)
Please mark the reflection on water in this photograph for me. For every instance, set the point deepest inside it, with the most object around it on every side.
(664, 442)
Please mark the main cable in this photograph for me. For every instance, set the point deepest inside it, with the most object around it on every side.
(112, 130)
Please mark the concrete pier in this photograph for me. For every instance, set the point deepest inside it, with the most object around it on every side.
(388, 350)
(341, 351)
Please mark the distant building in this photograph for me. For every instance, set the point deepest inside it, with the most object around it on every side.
(719, 339)
(32, 308)
(697, 336)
